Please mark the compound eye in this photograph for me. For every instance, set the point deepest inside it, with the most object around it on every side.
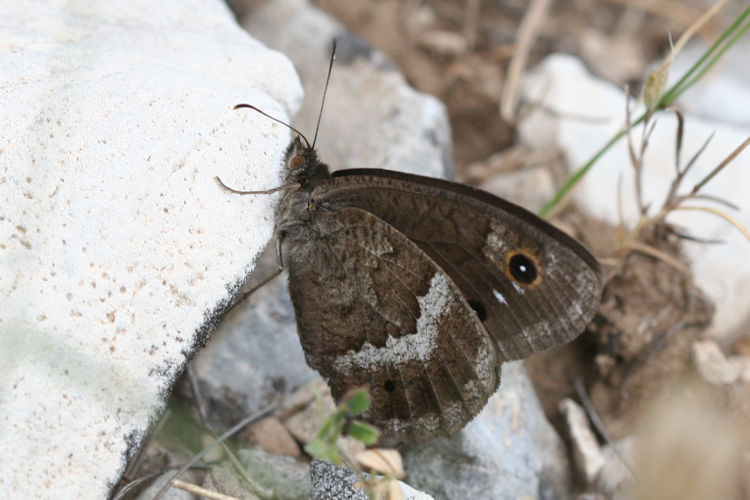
(297, 162)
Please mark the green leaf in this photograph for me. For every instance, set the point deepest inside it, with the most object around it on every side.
(363, 432)
(324, 450)
(325, 429)
(359, 401)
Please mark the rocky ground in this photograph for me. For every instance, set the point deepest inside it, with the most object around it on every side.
(650, 402)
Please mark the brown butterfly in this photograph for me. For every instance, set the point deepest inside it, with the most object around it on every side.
(421, 288)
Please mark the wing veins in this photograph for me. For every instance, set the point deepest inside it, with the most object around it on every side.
(406, 307)
(490, 272)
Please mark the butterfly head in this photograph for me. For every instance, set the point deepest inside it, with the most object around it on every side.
(303, 165)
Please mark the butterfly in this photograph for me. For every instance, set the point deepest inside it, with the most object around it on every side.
(421, 288)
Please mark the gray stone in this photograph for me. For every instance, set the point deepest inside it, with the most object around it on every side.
(338, 483)
(331, 482)
(272, 477)
(254, 356)
(532, 187)
(372, 117)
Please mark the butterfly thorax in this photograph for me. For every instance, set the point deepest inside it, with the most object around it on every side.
(304, 171)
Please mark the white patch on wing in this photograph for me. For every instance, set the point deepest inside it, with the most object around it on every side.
(495, 237)
(414, 346)
(518, 287)
(499, 297)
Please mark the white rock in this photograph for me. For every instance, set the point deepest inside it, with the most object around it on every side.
(712, 365)
(412, 494)
(615, 475)
(743, 367)
(117, 247)
(533, 185)
(588, 456)
(717, 96)
(562, 84)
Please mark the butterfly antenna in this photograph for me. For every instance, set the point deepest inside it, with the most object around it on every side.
(278, 121)
(325, 90)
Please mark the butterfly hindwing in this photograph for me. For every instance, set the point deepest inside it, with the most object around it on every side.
(533, 286)
(374, 309)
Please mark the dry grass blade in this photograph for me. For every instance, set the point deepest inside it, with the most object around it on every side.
(649, 250)
(716, 199)
(679, 135)
(695, 239)
(721, 165)
(527, 32)
(203, 492)
(127, 490)
(671, 196)
(726, 41)
(715, 211)
(673, 201)
(688, 34)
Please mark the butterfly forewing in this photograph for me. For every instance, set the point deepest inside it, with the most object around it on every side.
(532, 286)
(374, 309)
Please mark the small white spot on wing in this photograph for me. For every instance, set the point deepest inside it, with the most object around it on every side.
(499, 297)
(518, 287)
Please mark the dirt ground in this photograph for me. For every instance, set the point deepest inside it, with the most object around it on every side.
(460, 52)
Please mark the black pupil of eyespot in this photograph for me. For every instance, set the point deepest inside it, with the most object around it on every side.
(522, 268)
(479, 309)
(390, 386)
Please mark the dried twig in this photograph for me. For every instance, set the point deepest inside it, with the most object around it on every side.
(671, 196)
(734, 222)
(471, 23)
(527, 32)
(634, 246)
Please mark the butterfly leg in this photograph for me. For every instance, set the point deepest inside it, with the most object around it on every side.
(258, 286)
(268, 279)
(283, 187)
